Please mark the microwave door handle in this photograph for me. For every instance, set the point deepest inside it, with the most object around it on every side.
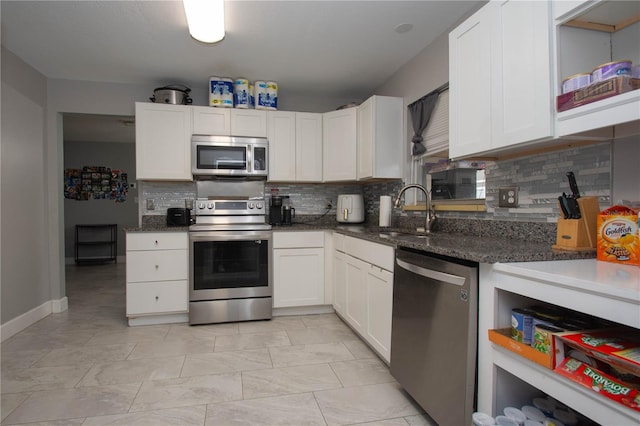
(249, 158)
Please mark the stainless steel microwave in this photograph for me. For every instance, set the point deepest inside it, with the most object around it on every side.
(229, 156)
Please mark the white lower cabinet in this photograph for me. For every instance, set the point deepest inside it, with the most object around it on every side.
(157, 277)
(363, 289)
(600, 289)
(298, 269)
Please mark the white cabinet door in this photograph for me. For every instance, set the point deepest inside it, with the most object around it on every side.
(298, 275)
(339, 133)
(356, 300)
(249, 122)
(469, 85)
(308, 147)
(339, 282)
(379, 307)
(379, 134)
(521, 74)
(282, 145)
(211, 121)
(163, 139)
(500, 78)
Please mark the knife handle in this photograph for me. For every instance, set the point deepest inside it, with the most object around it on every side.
(573, 184)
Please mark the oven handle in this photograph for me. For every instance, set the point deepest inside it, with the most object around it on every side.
(229, 236)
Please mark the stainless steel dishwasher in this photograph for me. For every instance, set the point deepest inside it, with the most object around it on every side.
(434, 333)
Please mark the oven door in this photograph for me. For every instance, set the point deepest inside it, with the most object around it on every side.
(230, 265)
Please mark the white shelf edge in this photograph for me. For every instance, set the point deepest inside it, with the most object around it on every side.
(615, 110)
(577, 397)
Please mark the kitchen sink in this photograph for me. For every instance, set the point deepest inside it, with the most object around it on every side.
(395, 234)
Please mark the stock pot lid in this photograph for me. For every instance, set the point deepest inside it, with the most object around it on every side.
(178, 87)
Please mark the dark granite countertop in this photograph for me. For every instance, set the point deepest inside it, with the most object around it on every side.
(484, 242)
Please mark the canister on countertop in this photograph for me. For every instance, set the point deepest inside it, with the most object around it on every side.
(610, 70)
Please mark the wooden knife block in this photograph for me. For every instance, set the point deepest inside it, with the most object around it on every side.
(579, 234)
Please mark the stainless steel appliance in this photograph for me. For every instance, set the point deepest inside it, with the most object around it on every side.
(176, 94)
(229, 156)
(230, 263)
(275, 210)
(434, 333)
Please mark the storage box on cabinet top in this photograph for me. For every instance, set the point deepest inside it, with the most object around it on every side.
(617, 236)
(597, 91)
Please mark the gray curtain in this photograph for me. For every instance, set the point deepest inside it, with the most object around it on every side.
(420, 112)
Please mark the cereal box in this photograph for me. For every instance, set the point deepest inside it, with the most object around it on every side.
(618, 239)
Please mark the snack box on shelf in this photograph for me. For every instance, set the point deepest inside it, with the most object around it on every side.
(615, 347)
(597, 91)
(607, 386)
(618, 236)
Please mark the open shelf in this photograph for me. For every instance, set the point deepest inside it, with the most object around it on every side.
(96, 243)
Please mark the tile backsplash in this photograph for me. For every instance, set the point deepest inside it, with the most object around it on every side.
(540, 178)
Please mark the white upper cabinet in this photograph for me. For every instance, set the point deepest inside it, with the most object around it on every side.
(249, 122)
(379, 135)
(308, 147)
(339, 140)
(589, 34)
(500, 78)
(295, 146)
(163, 142)
(211, 121)
(469, 85)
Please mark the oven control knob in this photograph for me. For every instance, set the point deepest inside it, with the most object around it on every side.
(201, 206)
(259, 205)
(251, 205)
(210, 206)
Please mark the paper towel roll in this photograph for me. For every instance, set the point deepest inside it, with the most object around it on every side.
(261, 95)
(241, 93)
(385, 210)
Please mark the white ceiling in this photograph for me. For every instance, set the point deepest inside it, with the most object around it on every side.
(343, 49)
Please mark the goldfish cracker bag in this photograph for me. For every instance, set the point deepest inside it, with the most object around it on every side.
(618, 238)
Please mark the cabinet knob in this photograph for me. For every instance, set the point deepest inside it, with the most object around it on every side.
(157, 297)
(156, 242)
(157, 266)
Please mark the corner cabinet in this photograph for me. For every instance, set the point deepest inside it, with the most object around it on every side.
(298, 269)
(163, 139)
(379, 137)
(157, 277)
(295, 146)
(339, 141)
(601, 289)
(500, 78)
(588, 34)
(363, 289)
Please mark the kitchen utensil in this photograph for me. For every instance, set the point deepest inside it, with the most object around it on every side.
(574, 209)
(175, 94)
(573, 184)
(564, 205)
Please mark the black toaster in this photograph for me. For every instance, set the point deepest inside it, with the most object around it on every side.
(178, 217)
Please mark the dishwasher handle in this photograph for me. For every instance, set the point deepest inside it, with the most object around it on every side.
(430, 273)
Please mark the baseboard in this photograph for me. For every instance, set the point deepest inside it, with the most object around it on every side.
(19, 323)
(59, 305)
(23, 321)
(302, 310)
(158, 319)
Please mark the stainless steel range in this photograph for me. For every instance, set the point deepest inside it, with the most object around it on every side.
(230, 264)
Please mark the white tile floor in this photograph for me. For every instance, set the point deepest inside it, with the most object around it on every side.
(87, 367)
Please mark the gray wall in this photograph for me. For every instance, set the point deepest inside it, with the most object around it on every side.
(24, 262)
(119, 156)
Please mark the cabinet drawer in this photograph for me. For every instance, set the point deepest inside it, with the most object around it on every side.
(380, 255)
(157, 297)
(298, 239)
(157, 265)
(157, 241)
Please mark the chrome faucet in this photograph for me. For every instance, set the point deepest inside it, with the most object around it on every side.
(430, 212)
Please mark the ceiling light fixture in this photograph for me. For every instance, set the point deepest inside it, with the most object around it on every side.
(205, 19)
